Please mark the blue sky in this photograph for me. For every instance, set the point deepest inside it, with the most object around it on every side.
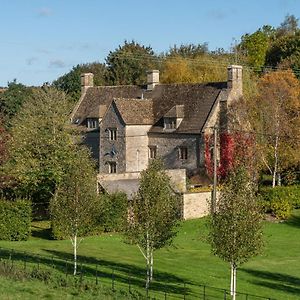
(42, 39)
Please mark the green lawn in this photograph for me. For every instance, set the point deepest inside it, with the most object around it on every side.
(273, 274)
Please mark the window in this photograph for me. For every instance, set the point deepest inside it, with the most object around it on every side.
(112, 167)
(112, 134)
(93, 123)
(152, 152)
(183, 153)
(170, 123)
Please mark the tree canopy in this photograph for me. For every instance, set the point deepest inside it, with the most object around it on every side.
(72, 208)
(40, 144)
(12, 99)
(70, 82)
(154, 214)
(129, 63)
(235, 229)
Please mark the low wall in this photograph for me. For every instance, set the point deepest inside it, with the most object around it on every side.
(177, 176)
(196, 205)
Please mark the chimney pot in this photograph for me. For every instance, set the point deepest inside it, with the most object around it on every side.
(152, 79)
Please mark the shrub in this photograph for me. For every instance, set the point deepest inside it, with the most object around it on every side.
(280, 200)
(113, 211)
(281, 208)
(15, 219)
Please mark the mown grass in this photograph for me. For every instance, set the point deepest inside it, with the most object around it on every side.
(274, 274)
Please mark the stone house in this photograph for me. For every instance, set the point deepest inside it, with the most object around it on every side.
(126, 126)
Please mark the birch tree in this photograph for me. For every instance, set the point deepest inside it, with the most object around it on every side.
(278, 121)
(73, 206)
(153, 215)
(235, 228)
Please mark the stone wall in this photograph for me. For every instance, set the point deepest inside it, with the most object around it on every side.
(114, 151)
(196, 205)
(177, 177)
(168, 150)
(136, 147)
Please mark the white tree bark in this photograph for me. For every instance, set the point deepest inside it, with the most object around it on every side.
(233, 282)
(151, 264)
(75, 246)
(275, 161)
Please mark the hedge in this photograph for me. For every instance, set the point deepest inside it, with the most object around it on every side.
(15, 220)
(280, 200)
(113, 211)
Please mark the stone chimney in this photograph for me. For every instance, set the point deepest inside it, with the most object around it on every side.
(235, 79)
(87, 80)
(152, 79)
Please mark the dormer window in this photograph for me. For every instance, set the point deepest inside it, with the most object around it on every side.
(170, 123)
(92, 123)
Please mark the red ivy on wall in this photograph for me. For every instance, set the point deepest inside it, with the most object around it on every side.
(235, 149)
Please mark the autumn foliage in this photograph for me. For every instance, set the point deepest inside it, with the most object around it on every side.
(236, 149)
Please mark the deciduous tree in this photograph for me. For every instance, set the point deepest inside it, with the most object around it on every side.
(40, 143)
(235, 229)
(72, 208)
(70, 82)
(129, 63)
(12, 99)
(278, 121)
(154, 214)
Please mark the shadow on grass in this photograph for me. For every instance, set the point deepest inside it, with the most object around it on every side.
(294, 221)
(41, 233)
(104, 270)
(276, 281)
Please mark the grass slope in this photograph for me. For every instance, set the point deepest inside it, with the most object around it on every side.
(273, 274)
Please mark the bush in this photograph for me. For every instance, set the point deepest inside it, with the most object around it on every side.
(113, 211)
(281, 208)
(280, 200)
(15, 219)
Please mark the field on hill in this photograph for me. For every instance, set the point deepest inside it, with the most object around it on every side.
(185, 266)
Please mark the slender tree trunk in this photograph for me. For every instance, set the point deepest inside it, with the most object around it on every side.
(75, 254)
(151, 265)
(276, 161)
(233, 281)
(148, 260)
(279, 179)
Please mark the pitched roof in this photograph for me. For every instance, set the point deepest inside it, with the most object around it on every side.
(176, 111)
(135, 111)
(103, 95)
(195, 101)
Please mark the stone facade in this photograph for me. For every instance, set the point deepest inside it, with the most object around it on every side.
(168, 147)
(112, 150)
(136, 147)
(143, 117)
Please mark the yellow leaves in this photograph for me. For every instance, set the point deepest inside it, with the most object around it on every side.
(177, 69)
